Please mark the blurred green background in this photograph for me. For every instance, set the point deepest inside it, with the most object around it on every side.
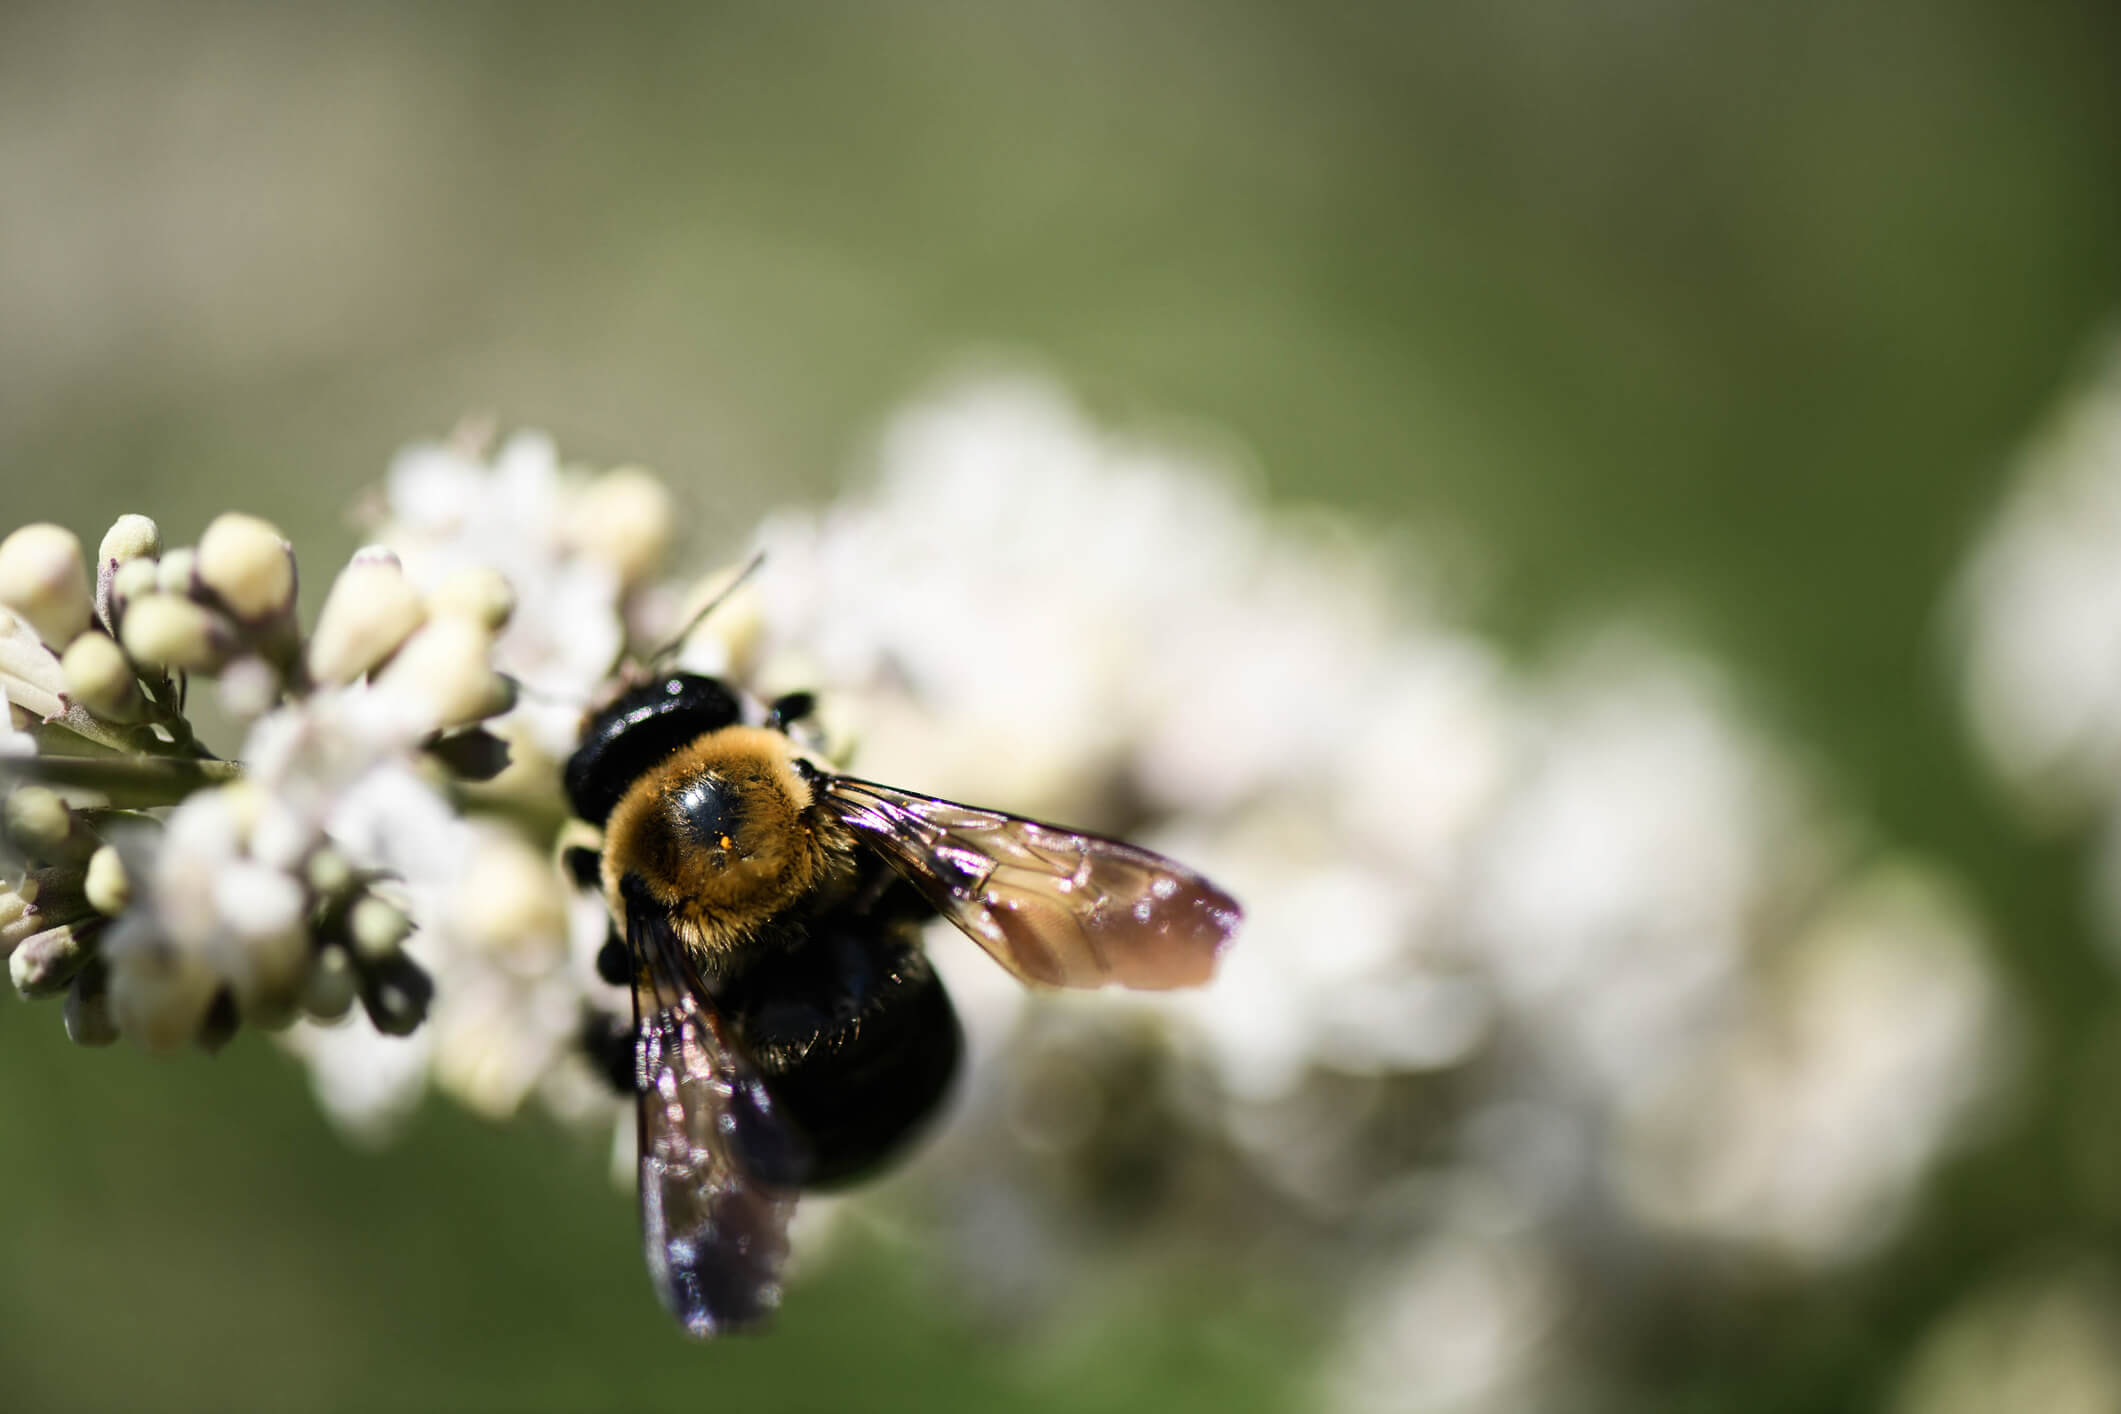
(1726, 314)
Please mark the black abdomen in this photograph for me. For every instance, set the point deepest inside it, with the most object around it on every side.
(856, 1041)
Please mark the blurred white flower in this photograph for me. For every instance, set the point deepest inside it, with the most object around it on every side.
(1807, 1123)
(1634, 943)
(1456, 1327)
(451, 511)
(1616, 893)
(2039, 620)
(2046, 1339)
(2037, 625)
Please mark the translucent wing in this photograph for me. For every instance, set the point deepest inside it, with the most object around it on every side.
(1051, 905)
(716, 1237)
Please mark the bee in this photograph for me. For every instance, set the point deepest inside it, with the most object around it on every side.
(788, 1031)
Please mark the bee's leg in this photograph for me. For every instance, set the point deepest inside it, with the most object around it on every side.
(788, 709)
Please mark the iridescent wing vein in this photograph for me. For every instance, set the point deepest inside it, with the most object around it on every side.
(1054, 906)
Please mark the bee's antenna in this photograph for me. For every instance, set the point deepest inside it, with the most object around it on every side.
(721, 596)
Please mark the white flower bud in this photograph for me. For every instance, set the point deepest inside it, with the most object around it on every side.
(13, 906)
(130, 537)
(100, 678)
(133, 580)
(478, 593)
(377, 927)
(623, 518)
(166, 631)
(38, 821)
(178, 571)
(328, 992)
(46, 962)
(86, 1010)
(371, 610)
(328, 872)
(249, 565)
(44, 579)
(19, 915)
(107, 887)
(442, 675)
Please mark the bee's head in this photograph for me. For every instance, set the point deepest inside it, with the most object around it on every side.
(639, 731)
(722, 831)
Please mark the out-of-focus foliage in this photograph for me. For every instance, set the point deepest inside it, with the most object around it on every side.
(1727, 314)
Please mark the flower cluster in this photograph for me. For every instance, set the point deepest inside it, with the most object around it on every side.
(1547, 968)
(1541, 971)
(271, 890)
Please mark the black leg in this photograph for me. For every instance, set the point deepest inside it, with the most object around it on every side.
(789, 708)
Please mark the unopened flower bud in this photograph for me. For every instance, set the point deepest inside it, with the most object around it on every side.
(106, 886)
(623, 518)
(44, 579)
(178, 571)
(395, 992)
(100, 677)
(249, 565)
(13, 905)
(328, 872)
(166, 631)
(130, 537)
(40, 824)
(329, 990)
(443, 675)
(476, 592)
(86, 1010)
(371, 610)
(377, 927)
(45, 962)
(134, 579)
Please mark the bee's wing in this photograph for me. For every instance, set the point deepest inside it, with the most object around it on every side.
(716, 1238)
(1051, 905)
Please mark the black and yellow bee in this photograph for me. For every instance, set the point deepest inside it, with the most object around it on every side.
(789, 1032)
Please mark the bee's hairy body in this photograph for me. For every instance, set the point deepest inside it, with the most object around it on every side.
(807, 946)
(722, 835)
